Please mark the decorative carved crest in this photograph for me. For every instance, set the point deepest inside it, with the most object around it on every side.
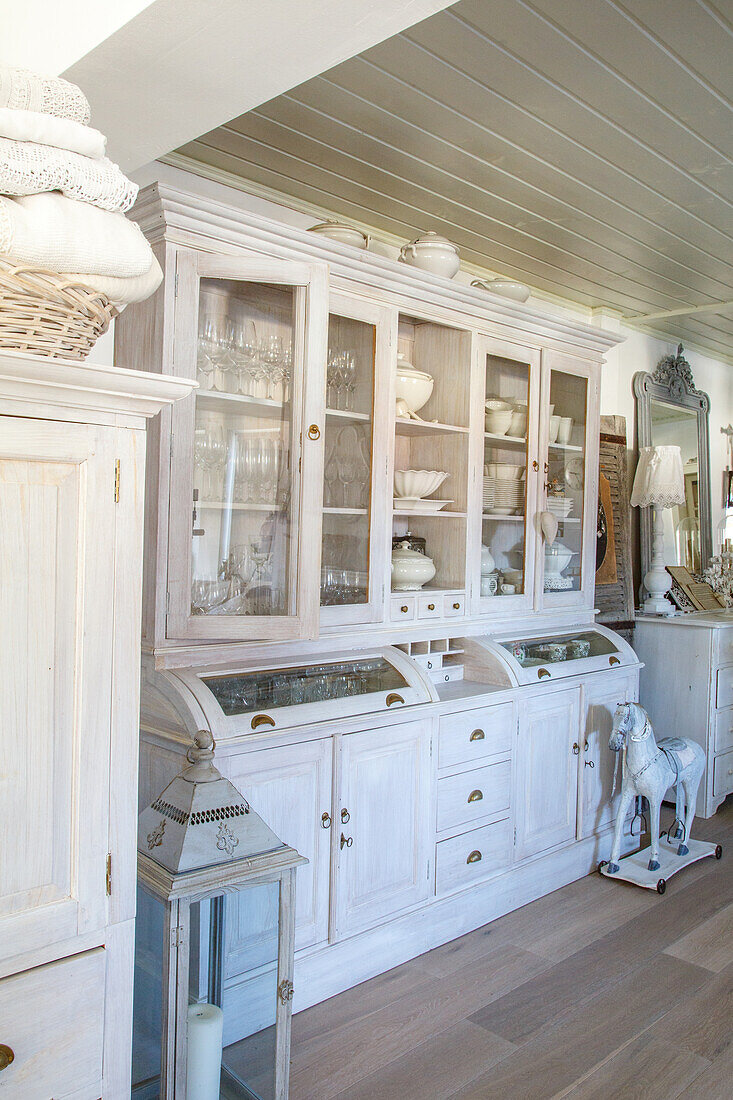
(675, 373)
(156, 837)
(226, 841)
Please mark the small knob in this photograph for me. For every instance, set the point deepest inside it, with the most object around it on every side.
(535, 465)
(404, 609)
(431, 607)
(6, 1056)
(314, 432)
(576, 749)
(456, 607)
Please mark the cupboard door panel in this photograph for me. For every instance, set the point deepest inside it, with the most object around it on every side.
(57, 532)
(290, 788)
(385, 791)
(596, 808)
(547, 772)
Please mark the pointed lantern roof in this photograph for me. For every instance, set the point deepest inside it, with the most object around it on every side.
(201, 819)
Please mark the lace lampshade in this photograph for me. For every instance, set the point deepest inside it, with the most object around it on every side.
(659, 478)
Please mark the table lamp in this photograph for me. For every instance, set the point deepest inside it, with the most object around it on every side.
(659, 483)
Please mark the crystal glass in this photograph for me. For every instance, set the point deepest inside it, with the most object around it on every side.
(566, 475)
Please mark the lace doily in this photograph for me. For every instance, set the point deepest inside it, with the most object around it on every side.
(28, 169)
(659, 478)
(24, 90)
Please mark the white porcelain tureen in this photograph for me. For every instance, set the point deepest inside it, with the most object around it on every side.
(344, 234)
(413, 387)
(433, 253)
(410, 569)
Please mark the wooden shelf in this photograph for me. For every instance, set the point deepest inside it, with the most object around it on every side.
(236, 506)
(507, 440)
(565, 447)
(344, 414)
(497, 516)
(239, 404)
(431, 515)
(423, 427)
(345, 512)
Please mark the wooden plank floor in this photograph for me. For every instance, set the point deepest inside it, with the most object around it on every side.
(598, 990)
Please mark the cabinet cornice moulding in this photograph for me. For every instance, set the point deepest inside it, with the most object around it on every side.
(166, 213)
(92, 387)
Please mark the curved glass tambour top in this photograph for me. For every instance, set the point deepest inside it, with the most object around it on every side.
(553, 648)
(566, 480)
(347, 461)
(504, 499)
(289, 687)
(242, 539)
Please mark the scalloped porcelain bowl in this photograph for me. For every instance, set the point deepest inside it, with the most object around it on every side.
(505, 471)
(495, 404)
(498, 422)
(417, 483)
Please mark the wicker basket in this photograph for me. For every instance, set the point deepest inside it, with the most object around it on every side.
(46, 314)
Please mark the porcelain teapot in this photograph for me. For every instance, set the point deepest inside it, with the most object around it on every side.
(432, 253)
(410, 569)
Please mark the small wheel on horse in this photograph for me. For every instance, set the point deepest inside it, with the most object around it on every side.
(718, 851)
(661, 886)
(604, 863)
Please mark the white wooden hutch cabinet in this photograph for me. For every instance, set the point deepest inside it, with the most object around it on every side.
(427, 752)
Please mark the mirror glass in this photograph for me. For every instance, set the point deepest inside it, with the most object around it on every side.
(673, 424)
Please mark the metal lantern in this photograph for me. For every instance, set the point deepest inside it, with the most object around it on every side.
(197, 842)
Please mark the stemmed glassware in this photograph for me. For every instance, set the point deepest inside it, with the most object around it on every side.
(210, 454)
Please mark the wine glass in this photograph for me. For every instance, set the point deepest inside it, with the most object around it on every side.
(206, 351)
(245, 353)
(348, 378)
(273, 356)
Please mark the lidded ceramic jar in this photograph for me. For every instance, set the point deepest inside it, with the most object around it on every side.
(413, 386)
(557, 557)
(432, 253)
(410, 569)
(344, 234)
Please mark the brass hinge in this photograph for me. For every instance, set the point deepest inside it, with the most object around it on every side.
(108, 875)
(117, 481)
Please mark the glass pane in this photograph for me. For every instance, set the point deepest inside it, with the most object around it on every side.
(505, 477)
(243, 542)
(561, 647)
(566, 480)
(289, 687)
(347, 461)
(681, 523)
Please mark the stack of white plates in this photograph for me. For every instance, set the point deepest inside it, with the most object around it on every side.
(560, 506)
(503, 497)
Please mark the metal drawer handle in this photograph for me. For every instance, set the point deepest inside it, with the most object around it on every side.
(475, 796)
(393, 697)
(475, 857)
(477, 735)
(326, 820)
(456, 607)
(431, 607)
(404, 609)
(262, 720)
(542, 672)
(6, 1056)
(576, 749)
(614, 661)
(314, 432)
(345, 816)
(346, 841)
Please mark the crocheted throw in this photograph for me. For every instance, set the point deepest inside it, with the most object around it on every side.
(24, 90)
(47, 130)
(27, 168)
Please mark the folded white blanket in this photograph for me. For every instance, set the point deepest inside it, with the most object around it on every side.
(62, 234)
(26, 168)
(47, 130)
(123, 292)
(24, 90)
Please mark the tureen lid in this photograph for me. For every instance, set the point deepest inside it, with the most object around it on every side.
(404, 366)
(403, 551)
(435, 240)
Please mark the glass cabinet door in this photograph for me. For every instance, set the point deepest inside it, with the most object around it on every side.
(509, 377)
(247, 449)
(567, 566)
(359, 338)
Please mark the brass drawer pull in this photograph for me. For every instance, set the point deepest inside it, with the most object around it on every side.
(475, 857)
(314, 432)
(476, 796)
(431, 607)
(542, 672)
(346, 841)
(477, 735)
(393, 697)
(326, 820)
(613, 661)
(456, 607)
(262, 720)
(576, 749)
(404, 609)
(6, 1056)
(345, 816)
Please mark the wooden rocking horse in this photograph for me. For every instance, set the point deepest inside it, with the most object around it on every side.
(650, 769)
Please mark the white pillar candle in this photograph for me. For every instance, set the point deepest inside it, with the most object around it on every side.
(205, 1029)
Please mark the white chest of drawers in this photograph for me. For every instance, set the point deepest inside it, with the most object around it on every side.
(686, 686)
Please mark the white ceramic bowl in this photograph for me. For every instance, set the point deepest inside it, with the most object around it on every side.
(554, 428)
(417, 483)
(414, 388)
(506, 471)
(509, 288)
(518, 426)
(495, 404)
(498, 422)
(344, 234)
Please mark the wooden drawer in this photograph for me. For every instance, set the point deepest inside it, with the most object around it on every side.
(454, 605)
(725, 647)
(52, 1018)
(475, 734)
(472, 856)
(724, 730)
(430, 607)
(724, 691)
(472, 795)
(403, 608)
(723, 774)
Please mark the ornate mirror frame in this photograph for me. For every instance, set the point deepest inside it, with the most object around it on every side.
(673, 384)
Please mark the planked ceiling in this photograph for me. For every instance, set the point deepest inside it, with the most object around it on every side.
(582, 146)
